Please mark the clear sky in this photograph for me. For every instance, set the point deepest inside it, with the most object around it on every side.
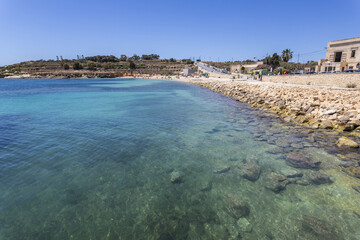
(225, 30)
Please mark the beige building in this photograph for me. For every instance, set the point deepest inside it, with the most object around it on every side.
(247, 67)
(341, 55)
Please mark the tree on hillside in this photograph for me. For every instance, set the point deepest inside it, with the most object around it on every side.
(77, 66)
(108, 65)
(66, 66)
(91, 65)
(123, 58)
(273, 60)
(132, 65)
(189, 61)
(150, 57)
(134, 58)
(103, 58)
(286, 55)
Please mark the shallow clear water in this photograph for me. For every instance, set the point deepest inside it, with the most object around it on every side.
(151, 159)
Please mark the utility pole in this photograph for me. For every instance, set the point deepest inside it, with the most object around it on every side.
(298, 57)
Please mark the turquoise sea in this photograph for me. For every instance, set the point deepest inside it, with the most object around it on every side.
(152, 159)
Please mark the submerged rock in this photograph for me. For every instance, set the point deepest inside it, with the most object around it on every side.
(215, 231)
(205, 186)
(236, 207)
(277, 150)
(222, 169)
(348, 164)
(319, 178)
(301, 181)
(291, 173)
(353, 156)
(356, 188)
(276, 182)
(244, 225)
(346, 142)
(282, 143)
(353, 171)
(298, 160)
(297, 145)
(318, 228)
(176, 177)
(251, 171)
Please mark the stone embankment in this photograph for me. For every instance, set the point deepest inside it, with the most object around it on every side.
(316, 107)
(330, 79)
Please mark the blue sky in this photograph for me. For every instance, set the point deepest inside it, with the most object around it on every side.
(225, 30)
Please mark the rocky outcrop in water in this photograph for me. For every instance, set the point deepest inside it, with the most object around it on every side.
(236, 207)
(291, 173)
(276, 182)
(346, 142)
(222, 169)
(176, 177)
(298, 160)
(353, 171)
(319, 178)
(251, 171)
(318, 229)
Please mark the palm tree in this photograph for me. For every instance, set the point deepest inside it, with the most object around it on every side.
(286, 55)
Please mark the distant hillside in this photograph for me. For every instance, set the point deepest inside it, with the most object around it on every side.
(96, 67)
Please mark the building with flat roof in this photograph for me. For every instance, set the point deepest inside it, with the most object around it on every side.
(341, 55)
(188, 71)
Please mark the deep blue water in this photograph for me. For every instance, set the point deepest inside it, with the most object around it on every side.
(97, 159)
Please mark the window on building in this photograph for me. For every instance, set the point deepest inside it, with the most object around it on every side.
(338, 56)
(353, 53)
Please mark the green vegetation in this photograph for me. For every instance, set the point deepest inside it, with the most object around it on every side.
(91, 66)
(108, 65)
(123, 58)
(286, 55)
(273, 61)
(132, 65)
(351, 85)
(66, 66)
(77, 66)
(150, 57)
(242, 69)
(103, 58)
(134, 58)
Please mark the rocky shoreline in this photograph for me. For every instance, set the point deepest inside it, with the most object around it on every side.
(312, 106)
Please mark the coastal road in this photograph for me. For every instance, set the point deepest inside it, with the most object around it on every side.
(211, 69)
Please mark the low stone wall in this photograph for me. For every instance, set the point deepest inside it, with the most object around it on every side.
(316, 107)
(332, 79)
